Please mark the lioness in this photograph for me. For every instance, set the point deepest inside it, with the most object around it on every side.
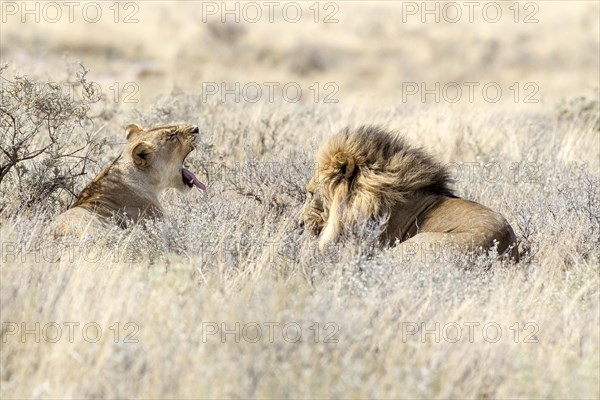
(369, 174)
(128, 189)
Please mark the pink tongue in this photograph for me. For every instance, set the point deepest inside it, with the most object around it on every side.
(190, 177)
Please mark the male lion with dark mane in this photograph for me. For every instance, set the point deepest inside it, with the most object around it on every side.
(369, 174)
(128, 189)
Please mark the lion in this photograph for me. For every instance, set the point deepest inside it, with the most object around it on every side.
(127, 190)
(369, 174)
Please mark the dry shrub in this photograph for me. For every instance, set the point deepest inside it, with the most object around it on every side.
(49, 139)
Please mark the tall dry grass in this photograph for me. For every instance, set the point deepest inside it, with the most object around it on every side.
(167, 297)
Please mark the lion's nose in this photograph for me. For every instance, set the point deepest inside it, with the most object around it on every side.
(194, 129)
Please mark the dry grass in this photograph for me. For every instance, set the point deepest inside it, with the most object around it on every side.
(236, 254)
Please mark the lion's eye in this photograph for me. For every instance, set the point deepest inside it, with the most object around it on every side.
(172, 136)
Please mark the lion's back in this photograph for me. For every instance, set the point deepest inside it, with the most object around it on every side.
(471, 223)
(78, 222)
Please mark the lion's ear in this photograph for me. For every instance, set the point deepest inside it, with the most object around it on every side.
(343, 165)
(142, 154)
(132, 130)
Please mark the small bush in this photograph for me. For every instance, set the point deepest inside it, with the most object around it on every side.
(49, 138)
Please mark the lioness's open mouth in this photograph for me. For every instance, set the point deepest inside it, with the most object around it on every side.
(190, 179)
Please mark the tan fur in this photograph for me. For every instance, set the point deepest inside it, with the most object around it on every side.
(128, 189)
(370, 174)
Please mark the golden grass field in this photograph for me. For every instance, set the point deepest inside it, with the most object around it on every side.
(227, 297)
